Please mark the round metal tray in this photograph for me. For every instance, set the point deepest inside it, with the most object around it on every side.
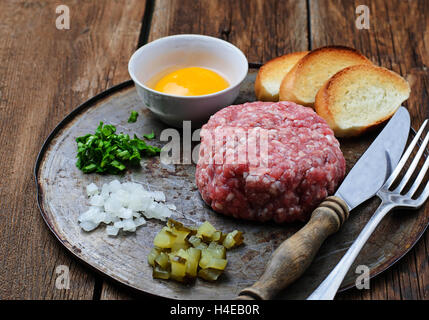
(61, 197)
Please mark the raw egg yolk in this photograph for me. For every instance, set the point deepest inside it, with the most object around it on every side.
(192, 81)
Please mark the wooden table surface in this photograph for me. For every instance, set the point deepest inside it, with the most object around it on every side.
(45, 73)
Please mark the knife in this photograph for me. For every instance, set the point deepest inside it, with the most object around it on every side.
(294, 255)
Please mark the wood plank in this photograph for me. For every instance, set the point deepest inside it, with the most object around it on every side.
(45, 73)
(261, 29)
(396, 41)
(422, 266)
(114, 291)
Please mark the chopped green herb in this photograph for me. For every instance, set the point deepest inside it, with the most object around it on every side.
(149, 136)
(133, 116)
(108, 152)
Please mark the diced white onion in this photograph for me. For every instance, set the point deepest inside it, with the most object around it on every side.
(125, 213)
(140, 221)
(112, 230)
(158, 196)
(89, 214)
(118, 224)
(97, 201)
(91, 189)
(105, 191)
(112, 204)
(114, 186)
(123, 207)
(88, 225)
(129, 225)
(171, 207)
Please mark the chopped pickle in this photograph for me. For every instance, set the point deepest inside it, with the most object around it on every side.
(222, 238)
(180, 241)
(179, 246)
(195, 241)
(217, 250)
(160, 273)
(217, 235)
(233, 239)
(206, 230)
(164, 239)
(174, 257)
(208, 261)
(182, 253)
(209, 274)
(202, 246)
(192, 262)
(178, 267)
(152, 256)
(176, 225)
(162, 260)
(194, 230)
(213, 257)
(216, 263)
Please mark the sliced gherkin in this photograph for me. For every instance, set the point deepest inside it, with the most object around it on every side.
(209, 274)
(182, 253)
(233, 239)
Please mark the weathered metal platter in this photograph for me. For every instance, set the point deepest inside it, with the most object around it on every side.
(62, 197)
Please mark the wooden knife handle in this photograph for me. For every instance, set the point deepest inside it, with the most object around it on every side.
(294, 255)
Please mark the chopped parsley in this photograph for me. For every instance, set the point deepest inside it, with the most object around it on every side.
(133, 116)
(149, 136)
(108, 152)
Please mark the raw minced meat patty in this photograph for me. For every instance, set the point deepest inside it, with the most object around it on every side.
(268, 161)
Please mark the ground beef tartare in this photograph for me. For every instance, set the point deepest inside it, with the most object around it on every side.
(268, 161)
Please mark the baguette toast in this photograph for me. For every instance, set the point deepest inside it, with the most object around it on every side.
(305, 79)
(271, 74)
(360, 97)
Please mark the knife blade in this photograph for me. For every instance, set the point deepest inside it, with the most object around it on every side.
(294, 255)
(377, 163)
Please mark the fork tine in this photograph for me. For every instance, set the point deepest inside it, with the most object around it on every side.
(419, 178)
(423, 197)
(413, 165)
(405, 157)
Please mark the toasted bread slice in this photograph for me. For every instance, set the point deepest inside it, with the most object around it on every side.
(271, 74)
(303, 81)
(360, 97)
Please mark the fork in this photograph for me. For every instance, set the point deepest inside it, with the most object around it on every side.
(389, 200)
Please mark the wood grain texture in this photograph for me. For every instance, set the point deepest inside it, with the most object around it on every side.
(262, 29)
(111, 291)
(44, 74)
(398, 39)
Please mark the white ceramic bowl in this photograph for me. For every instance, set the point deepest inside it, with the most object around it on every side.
(170, 53)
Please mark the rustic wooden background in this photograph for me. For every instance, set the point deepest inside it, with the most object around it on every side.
(45, 73)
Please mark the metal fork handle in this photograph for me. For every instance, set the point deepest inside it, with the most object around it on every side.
(329, 287)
